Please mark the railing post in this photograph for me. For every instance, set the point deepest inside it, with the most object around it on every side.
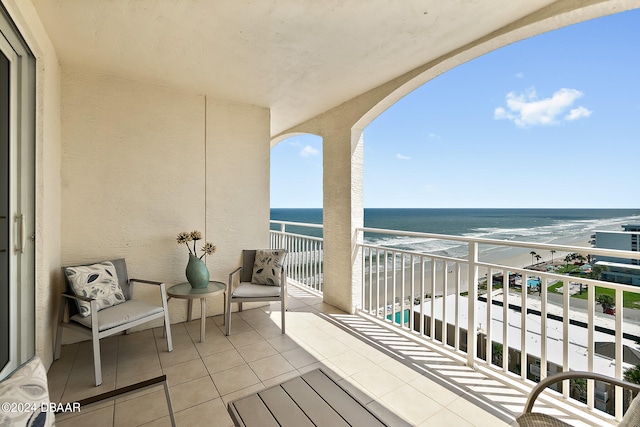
(283, 228)
(472, 337)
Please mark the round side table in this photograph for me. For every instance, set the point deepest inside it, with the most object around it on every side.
(185, 291)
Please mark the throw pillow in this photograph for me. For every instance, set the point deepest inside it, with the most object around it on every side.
(268, 266)
(26, 394)
(97, 281)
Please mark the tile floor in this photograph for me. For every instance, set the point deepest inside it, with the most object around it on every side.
(402, 382)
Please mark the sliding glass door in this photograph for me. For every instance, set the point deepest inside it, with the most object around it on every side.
(17, 198)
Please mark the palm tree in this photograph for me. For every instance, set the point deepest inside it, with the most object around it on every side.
(538, 257)
(569, 258)
(552, 252)
(606, 301)
(532, 253)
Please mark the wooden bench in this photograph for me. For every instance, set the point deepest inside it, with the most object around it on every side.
(312, 399)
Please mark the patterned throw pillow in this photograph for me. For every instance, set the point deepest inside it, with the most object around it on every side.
(26, 391)
(268, 266)
(97, 281)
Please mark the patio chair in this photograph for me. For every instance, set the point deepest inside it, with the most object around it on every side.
(261, 277)
(99, 301)
(535, 419)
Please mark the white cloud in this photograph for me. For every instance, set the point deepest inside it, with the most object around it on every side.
(526, 110)
(309, 151)
(434, 136)
(402, 157)
(520, 75)
(578, 113)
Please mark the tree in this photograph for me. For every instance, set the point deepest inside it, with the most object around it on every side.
(578, 389)
(633, 376)
(538, 257)
(596, 272)
(552, 252)
(568, 259)
(496, 353)
(607, 302)
(532, 253)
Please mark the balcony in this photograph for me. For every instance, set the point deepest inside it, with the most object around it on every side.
(400, 379)
(390, 355)
(524, 329)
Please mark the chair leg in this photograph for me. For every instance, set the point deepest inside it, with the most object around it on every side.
(96, 359)
(283, 309)
(227, 320)
(167, 323)
(58, 343)
(95, 337)
(169, 406)
(167, 327)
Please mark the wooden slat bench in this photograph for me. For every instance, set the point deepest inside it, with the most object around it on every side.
(312, 399)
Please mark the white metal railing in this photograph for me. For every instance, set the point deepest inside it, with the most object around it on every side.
(305, 254)
(515, 332)
(441, 298)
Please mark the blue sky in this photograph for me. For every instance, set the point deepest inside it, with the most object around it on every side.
(551, 121)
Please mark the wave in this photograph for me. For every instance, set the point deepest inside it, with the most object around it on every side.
(554, 230)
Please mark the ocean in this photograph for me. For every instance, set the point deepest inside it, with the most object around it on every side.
(553, 226)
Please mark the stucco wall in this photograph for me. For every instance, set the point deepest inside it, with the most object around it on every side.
(47, 169)
(141, 163)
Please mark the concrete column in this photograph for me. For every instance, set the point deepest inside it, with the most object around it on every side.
(343, 214)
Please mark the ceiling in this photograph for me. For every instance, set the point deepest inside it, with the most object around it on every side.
(299, 58)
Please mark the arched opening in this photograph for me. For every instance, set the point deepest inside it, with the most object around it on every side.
(296, 173)
(529, 125)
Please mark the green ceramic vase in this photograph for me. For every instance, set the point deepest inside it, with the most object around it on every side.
(197, 273)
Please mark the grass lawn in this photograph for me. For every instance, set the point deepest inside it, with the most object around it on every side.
(629, 299)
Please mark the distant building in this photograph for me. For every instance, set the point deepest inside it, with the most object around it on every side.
(619, 270)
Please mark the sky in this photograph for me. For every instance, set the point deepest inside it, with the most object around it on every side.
(549, 122)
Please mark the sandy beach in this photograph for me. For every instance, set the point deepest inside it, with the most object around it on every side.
(515, 257)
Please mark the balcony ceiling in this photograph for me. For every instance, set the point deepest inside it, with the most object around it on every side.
(298, 58)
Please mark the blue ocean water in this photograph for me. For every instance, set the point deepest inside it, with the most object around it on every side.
(532, 225)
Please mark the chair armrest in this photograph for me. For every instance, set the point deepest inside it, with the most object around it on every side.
(232, 276)
(539, 388)
(148, 282)
(77, 297)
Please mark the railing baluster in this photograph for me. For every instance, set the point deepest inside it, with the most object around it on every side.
(543, 327)
(505, 321)
(432, 328)
(402, 290)
(487, 329)
(619, 354)
(421, 298)
(591, 304)
(524, 366)
(565, 334)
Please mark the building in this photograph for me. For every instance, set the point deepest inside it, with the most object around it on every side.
(619, 270)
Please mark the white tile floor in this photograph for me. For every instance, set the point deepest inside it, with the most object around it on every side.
(400, 381)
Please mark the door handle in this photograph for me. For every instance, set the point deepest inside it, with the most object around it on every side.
(23, 233)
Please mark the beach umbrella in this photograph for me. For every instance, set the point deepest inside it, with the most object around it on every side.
(608, 349)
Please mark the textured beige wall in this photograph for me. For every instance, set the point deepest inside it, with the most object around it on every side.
(141, 163)
(47, 164)
(238, 163)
